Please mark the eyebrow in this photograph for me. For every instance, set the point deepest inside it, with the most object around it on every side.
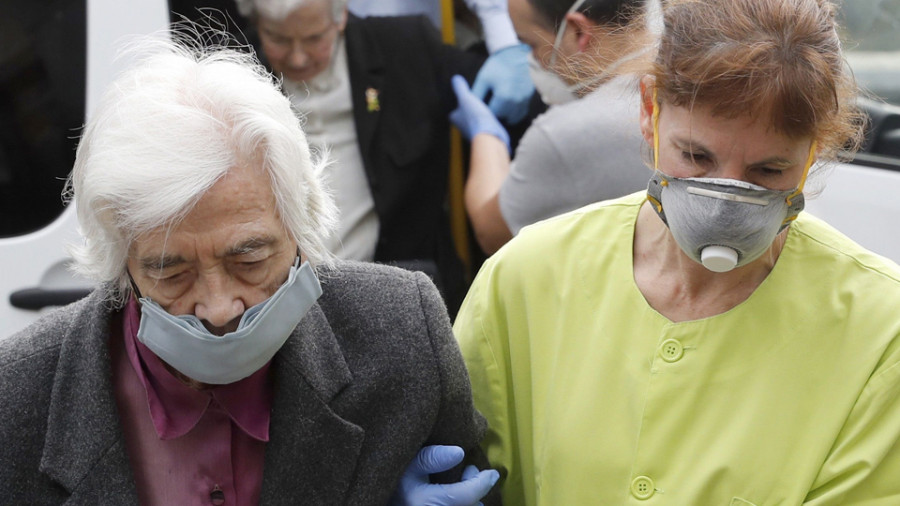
(695, 146)
(251, 245)
(164, 261)
(160, 262)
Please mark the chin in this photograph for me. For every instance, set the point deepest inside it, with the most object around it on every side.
(299, 76)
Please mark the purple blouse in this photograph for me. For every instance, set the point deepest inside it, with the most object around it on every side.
(188, 446)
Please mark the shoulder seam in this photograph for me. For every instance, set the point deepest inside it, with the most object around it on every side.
(853, 258)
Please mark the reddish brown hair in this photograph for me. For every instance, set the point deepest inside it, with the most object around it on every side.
(780, 58)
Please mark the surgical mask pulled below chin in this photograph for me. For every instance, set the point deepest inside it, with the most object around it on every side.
(185, 344)
(722, 223)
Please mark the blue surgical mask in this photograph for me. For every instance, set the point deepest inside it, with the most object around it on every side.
(185, 344)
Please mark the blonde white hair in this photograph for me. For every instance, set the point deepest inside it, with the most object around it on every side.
(170, 127)
(277, 10)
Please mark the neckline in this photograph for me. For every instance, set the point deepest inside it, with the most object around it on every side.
(761, 291)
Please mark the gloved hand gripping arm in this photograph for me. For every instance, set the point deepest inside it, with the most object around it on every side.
(416, 490)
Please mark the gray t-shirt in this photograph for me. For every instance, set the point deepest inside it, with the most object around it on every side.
(576, 154)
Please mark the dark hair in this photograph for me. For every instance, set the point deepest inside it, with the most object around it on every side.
(602, 12)
(780, 58)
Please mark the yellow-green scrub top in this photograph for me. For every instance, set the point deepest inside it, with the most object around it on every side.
(594, 398)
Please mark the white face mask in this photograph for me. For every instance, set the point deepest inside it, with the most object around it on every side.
(552, 88)
(185, 344)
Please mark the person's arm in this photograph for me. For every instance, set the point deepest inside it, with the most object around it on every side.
(863, 466)
(489, 166)
(481, 331)
(499, 32)
(457, 422)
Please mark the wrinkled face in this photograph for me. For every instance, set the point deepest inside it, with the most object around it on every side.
(695, 143)
(531, 30)
(230, 253)
(301, 45)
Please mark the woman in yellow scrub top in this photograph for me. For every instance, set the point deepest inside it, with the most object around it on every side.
(704, 342)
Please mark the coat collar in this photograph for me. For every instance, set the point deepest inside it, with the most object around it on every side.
(311, 448)
(84, 449)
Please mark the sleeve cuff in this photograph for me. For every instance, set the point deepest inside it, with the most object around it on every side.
(498, 31)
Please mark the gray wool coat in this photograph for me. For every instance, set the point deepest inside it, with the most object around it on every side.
(371, 374)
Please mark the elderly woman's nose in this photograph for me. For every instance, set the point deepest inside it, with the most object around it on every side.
(217, 305)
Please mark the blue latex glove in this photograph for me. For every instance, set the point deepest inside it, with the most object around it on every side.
(473, 116)
(505, 74)
(415, 489)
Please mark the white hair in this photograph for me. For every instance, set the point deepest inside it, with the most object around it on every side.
(277, 10)
(170, 127)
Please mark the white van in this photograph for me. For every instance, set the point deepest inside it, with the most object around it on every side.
(57, 57)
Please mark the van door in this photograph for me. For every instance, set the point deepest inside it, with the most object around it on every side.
(56, 58)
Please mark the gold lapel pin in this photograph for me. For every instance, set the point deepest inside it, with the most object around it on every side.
(372, 103)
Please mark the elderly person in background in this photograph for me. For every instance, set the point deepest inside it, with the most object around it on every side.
(703, 342)
(226, 358)
(375, 93)
(579, 151)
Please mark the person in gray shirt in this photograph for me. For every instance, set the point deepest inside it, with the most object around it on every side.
(585, 148)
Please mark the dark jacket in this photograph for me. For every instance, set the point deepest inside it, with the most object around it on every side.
(371, 374)
(405, 144)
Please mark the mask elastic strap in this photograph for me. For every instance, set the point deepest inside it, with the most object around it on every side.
(809, 162)
(134, 286)
(655, 119)
(562, 31)
(580, 87)
(662, 181)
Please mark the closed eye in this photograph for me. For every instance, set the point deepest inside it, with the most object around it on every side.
(170, 278)
(696, 158)
(275, 38)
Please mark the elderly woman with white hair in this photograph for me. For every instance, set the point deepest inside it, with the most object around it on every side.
(226, 357)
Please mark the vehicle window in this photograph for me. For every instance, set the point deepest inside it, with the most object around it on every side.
(871, 35)
(42, 95)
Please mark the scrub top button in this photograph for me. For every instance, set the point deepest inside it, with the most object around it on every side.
(671, 350)
(642, 488)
